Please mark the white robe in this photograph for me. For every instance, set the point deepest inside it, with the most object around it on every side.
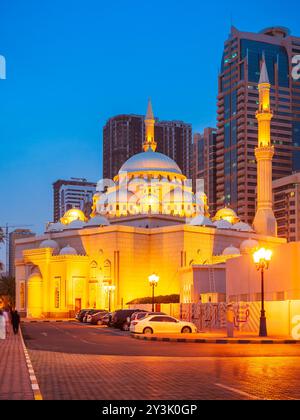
(2, 327)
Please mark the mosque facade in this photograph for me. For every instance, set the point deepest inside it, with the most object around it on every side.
(147, 220)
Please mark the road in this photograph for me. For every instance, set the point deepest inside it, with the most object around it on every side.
(75, 361)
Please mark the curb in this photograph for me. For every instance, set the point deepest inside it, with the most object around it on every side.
(34, 383)
(35, 321)
(213, 341)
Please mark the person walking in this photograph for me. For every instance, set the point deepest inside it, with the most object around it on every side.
(7, 320)
(2, 326)
(15, 320)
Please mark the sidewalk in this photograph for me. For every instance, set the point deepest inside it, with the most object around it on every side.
(15, 381)
(217, 337)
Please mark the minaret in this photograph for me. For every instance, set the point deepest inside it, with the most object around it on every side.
(264, 221)
(149, 142)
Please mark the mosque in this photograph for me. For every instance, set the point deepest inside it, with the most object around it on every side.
(147, 220)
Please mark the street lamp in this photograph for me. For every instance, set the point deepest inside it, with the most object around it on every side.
(153, 280)
(109, 288)
(262, 258)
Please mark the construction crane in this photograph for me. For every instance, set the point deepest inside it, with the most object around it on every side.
(4, 237)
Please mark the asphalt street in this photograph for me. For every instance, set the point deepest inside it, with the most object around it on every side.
(75, 361)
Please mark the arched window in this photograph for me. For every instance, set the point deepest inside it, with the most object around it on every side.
(107, 270)
(93, 270)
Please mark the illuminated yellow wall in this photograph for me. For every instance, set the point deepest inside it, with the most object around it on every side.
(120, 255)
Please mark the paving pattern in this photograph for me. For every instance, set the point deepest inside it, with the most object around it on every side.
(78, 362)
(14, 376)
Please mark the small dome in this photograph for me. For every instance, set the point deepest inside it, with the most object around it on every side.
(231, 250)
(55, 227)
(222, 224)
(76, 224)
(68, 250)
(201, 221)
(248, 246)
(227, 214)
(150, 161)
(73, 215)
(97, 221)
(49, 243)
(243, 227)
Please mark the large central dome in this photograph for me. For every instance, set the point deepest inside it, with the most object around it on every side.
(150, 161)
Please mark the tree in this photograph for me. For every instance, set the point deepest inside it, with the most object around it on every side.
(8, 288)
(158, 299)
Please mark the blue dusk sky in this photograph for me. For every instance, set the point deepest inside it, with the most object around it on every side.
(73, 64)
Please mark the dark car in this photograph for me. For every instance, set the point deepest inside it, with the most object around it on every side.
(79, 316)
(89, 313)
(121, 318)
(97, 318)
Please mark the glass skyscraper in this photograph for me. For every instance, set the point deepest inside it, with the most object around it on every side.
(237, 104)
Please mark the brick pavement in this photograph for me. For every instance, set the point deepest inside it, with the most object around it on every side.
(14, 376)
(74, 376)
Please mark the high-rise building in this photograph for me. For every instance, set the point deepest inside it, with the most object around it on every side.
(237, 105)
(124, 135)
(204, 164)
(13, 236)
(175, 139)
(286, 197)
(73, 193)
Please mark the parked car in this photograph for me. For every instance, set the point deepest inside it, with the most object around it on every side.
(96, 318)
(161, 324)
(121, 318)
(79, 316)
(136, 316)
(91, 312)
(106, 319)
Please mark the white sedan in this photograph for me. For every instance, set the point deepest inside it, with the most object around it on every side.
(161, 324)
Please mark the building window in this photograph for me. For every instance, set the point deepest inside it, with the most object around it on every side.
(107, 270)
(257, 297)
(93, 270)
(22, 295)
(280, 296)
(57, 294)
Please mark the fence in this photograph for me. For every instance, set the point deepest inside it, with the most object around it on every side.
(283, 317)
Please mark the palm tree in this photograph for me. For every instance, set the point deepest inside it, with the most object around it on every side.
(8, 288)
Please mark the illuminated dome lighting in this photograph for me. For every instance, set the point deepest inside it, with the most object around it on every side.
(248, 246)
(227, 214)
(231, 250)
(49, 243)
(73, 215)
(68, 250)
(222, 224)
(97, 221)
(150, 161)
(243, 227)
(76, 224)
(201, 221)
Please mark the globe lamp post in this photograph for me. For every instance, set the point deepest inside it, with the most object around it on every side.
(153, 280)
(262, 258)
(109, 289)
